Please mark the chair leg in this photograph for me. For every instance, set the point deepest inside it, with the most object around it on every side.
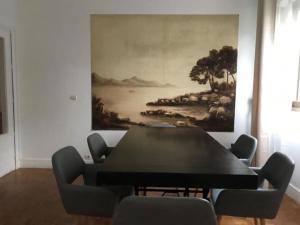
(255, 221)
(262, 221)
(219, 218)
(79, 219)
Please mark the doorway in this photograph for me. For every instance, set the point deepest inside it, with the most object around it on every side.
(7, 131)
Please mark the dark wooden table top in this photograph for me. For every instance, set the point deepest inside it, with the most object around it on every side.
(168, 157)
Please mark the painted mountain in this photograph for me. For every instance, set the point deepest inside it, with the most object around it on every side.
(130, 82)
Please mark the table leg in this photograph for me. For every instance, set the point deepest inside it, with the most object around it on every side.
(196, 192)
(136, 190)
(262, 221)
(186, 192)
(205, 193)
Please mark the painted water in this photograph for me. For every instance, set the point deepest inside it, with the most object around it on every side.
(129, 102)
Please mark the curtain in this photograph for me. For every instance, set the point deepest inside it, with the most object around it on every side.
(276, 76)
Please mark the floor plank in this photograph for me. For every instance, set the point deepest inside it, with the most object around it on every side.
(30, 197)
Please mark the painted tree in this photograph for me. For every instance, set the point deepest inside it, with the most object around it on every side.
(206, 69)
(216, 65)
(228, 63)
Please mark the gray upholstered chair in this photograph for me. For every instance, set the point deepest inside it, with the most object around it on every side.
(164, 211)
(98, 147)
(244, 148)
(87, 199)
(263, 202)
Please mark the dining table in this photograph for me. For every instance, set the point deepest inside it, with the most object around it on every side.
(174, 157)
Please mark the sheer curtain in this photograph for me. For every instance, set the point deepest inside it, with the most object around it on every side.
(278, 73)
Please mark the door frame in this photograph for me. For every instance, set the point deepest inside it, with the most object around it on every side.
(12, 62)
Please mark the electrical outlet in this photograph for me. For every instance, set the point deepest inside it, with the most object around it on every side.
(87, 157)
(73, 97)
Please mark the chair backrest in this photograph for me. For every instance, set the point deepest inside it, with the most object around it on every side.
(80, 199)
(164, 211)
(244, 147)
(97, 146)
(67, 165)
(278, 170)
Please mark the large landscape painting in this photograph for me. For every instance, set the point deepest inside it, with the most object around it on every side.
(178, 70)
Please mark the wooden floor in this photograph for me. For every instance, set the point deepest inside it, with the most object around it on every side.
(30, 197)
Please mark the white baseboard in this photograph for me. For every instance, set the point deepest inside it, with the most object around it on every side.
(39, 163)
(4, 172)
(293, 192)
(35, 163)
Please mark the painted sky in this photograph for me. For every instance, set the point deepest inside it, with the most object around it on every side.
(163, 48)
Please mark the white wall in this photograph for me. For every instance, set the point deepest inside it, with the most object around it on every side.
(53, 44)
(290, 145)
(8, 13)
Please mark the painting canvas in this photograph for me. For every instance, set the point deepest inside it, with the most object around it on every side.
(177, 70)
